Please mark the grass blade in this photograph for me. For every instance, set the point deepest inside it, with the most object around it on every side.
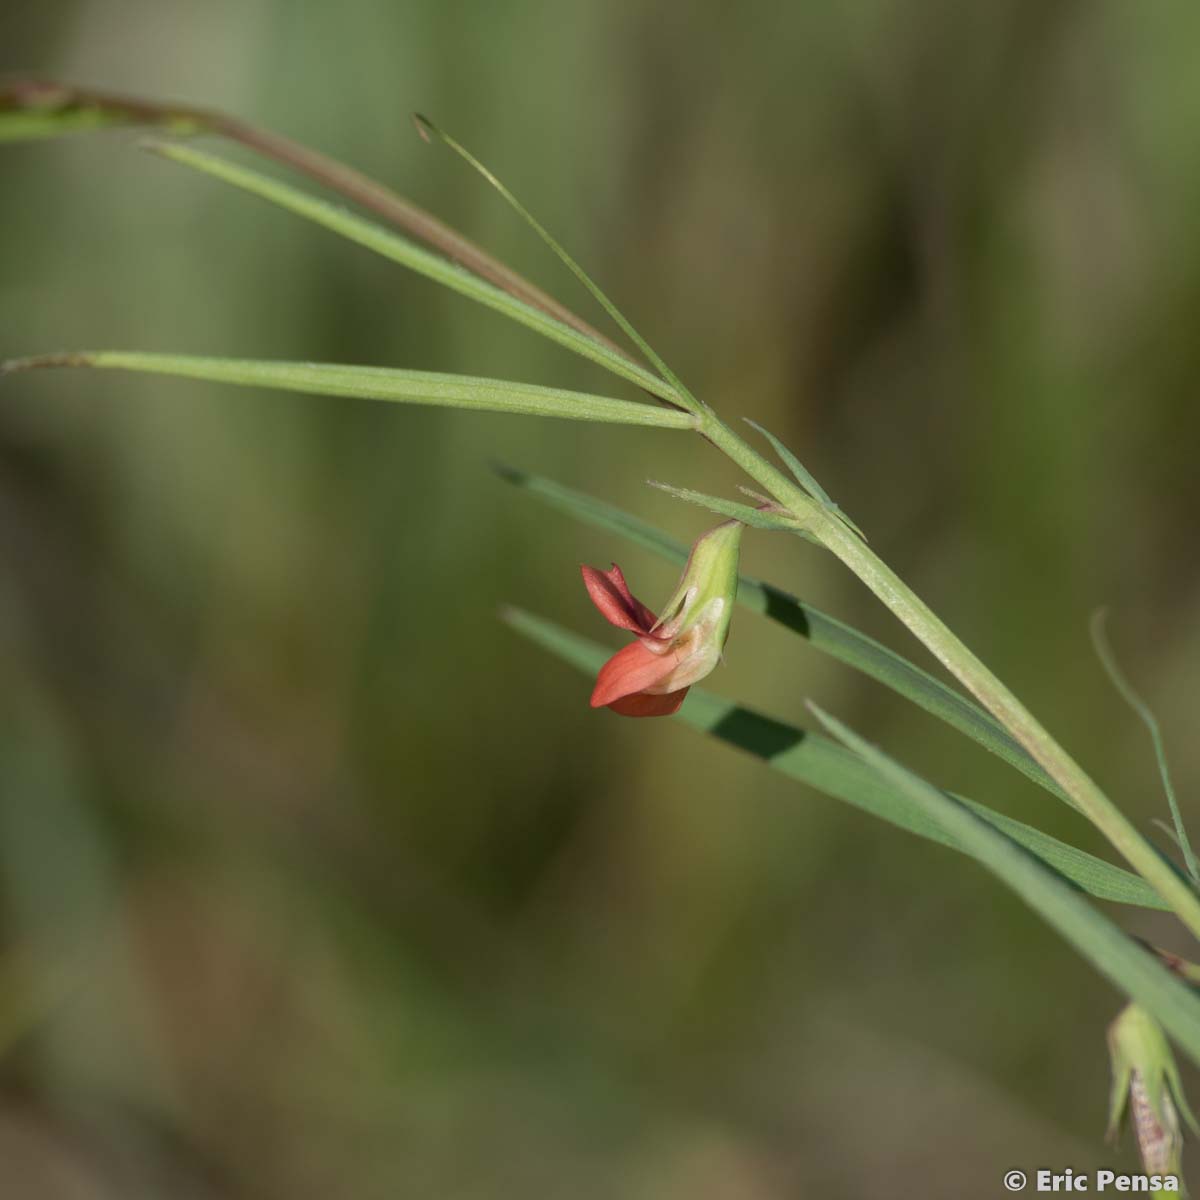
(32, 108)
(804, 477)
(756, 517)
(1108, 660)
(1137, 972)
(377, 383)
(809, 758)
(38, 109)
(428, 130)
(401, 250)
(824, 633)
(21, 126)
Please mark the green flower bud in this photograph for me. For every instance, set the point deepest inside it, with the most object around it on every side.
(1146, 1084)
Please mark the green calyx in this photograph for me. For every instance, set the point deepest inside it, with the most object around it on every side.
(1144, 1069)
(708, 588)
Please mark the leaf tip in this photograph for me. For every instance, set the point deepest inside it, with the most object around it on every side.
(511, 615)
(831, 723)
(425, 128)
(156, 145)
(507, 473)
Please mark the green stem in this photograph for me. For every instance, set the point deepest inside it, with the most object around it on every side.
(969, 670)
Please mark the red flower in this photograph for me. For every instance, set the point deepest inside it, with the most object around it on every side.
(625, 680)
(651, 676)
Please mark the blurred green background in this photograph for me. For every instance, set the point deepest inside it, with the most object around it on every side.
(316, 881)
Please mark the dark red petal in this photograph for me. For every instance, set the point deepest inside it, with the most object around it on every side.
(641, 705)
(617, 604)
(632, 669)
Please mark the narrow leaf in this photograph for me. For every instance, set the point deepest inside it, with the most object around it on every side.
(378, 383)
(825, 633)
(1131, 968)
(18, 126)
(34, 108)
(428, 129)
(811, 759)
(756, 517)
(1108, 660)
(804, 477)
(401, 250)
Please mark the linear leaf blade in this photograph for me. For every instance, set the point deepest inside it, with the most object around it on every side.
(1131, 968)
(33, 126)
(756, 517)
(401, 250)
(809, 758)
(378, 383)
(428, 129)
(804, 477)
(1143, 711)
(38, 108)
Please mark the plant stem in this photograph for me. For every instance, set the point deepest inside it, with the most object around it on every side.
(970, 671)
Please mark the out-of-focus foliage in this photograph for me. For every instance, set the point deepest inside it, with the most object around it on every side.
(318, 881)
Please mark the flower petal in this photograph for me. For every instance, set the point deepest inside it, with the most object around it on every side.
(617, 604)
(641, 705)
(632, 669)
